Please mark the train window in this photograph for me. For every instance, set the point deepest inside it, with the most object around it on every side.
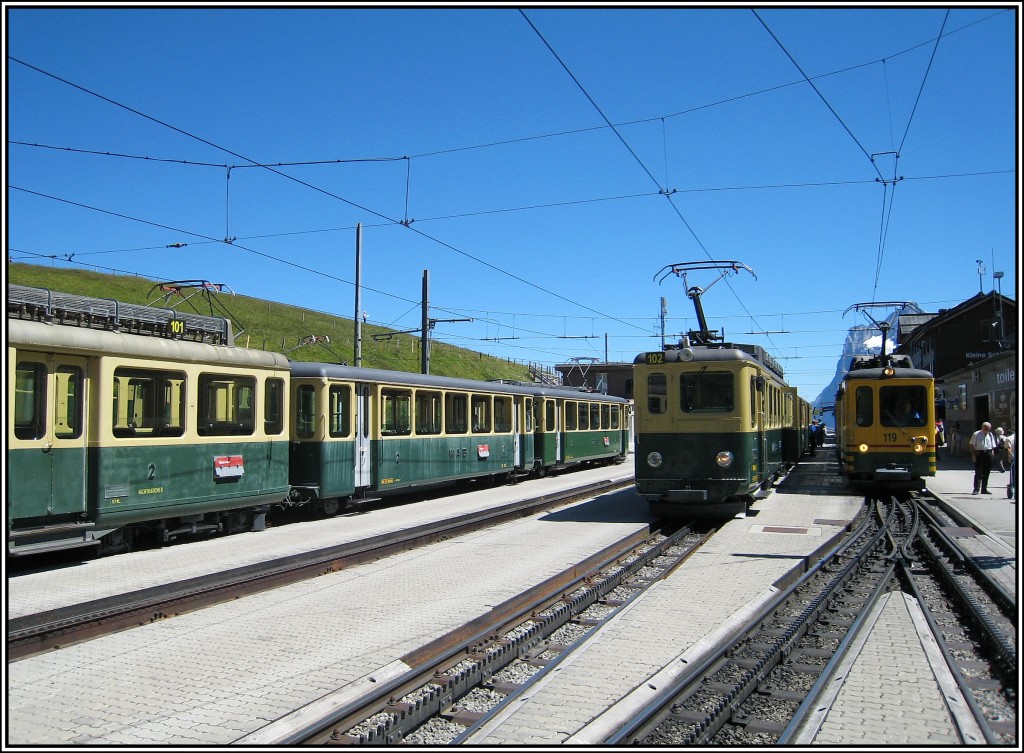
(502, 414)
(584, 416)
(481, 405)
(903, 405)
(273, 407)
(571, 413)
(753, 401)
(456, 414)
(707, 392)
(865, 397)
(528, 405)
(428, 412)
(226, 405)
(549, 416)
(340, 417)
(148, 403)
(657, 393)
(595, 416)
(305, 411)
(615, 417)
(606, 419)
(67, 422)
(30, 401)
(395, 419)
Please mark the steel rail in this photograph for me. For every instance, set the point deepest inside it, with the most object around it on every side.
(33, 634)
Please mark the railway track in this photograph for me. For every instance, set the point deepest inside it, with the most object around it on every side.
(458, 685)
(29, 635)
(773, 681)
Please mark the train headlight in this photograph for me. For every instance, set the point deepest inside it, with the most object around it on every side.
(686, 354)
(655, 460)
(724, 459)
(888, 371)
(863, 448)
(919, 443)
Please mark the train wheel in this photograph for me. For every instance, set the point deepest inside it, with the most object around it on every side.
(331, 507)
(540, 471)
(116, 542)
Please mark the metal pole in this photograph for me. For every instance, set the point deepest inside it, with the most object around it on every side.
(358, 348)
(425, 355)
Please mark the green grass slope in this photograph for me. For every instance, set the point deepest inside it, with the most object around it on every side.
(275, 326)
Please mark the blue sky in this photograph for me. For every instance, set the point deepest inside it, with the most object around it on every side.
(543, 165)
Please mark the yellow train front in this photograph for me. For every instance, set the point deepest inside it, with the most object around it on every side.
(710, 426)
(885, 425)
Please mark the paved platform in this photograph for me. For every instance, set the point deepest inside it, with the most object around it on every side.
(223, 674)
(214, 676)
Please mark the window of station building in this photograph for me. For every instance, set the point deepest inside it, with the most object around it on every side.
(273, 407)
(226, 405)
(595, 416)
(395, 410)
(481, 409)
(339, 400)
(571, 414)
(502, 414)
(30, 401)
(67, 421)
(707, 392)
(456, 413)
(305, 411)
(903, 406)
(428, 412)
(865, 408)
(657, 393)
(150, 403)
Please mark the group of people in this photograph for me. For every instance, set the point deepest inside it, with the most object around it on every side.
(988, 447)
(815, 435)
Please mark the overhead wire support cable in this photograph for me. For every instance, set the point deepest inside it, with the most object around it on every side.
(256, 163)
(816, 90)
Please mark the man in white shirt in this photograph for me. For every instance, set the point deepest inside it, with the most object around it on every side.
(981, 445)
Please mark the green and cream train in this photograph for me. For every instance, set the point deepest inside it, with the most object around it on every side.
(127, 420)
(715, 423)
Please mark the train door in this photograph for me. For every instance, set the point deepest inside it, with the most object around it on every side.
(559, 449)
(48, 437)
(363, 451)
(760, 459)
(517, 440)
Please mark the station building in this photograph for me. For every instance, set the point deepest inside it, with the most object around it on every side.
(972, 351)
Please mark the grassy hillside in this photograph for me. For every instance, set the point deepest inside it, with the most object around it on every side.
(278, 327)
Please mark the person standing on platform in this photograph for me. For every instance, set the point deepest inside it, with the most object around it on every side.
(954, 435)
(1010, 445)
(981, 445)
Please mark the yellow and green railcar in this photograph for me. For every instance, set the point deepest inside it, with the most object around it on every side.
(579, 427)
(709, 427)
(795, 438)
(357, 431)
(111, 434)
(885, 425)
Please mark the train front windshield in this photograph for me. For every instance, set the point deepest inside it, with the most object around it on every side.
(903, 406)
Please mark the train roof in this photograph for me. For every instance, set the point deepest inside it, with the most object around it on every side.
(311, 369)
(879, 374)
(51, 306)
(723, 352)
(50, 337)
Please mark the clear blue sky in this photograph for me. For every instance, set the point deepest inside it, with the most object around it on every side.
(542, 166)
